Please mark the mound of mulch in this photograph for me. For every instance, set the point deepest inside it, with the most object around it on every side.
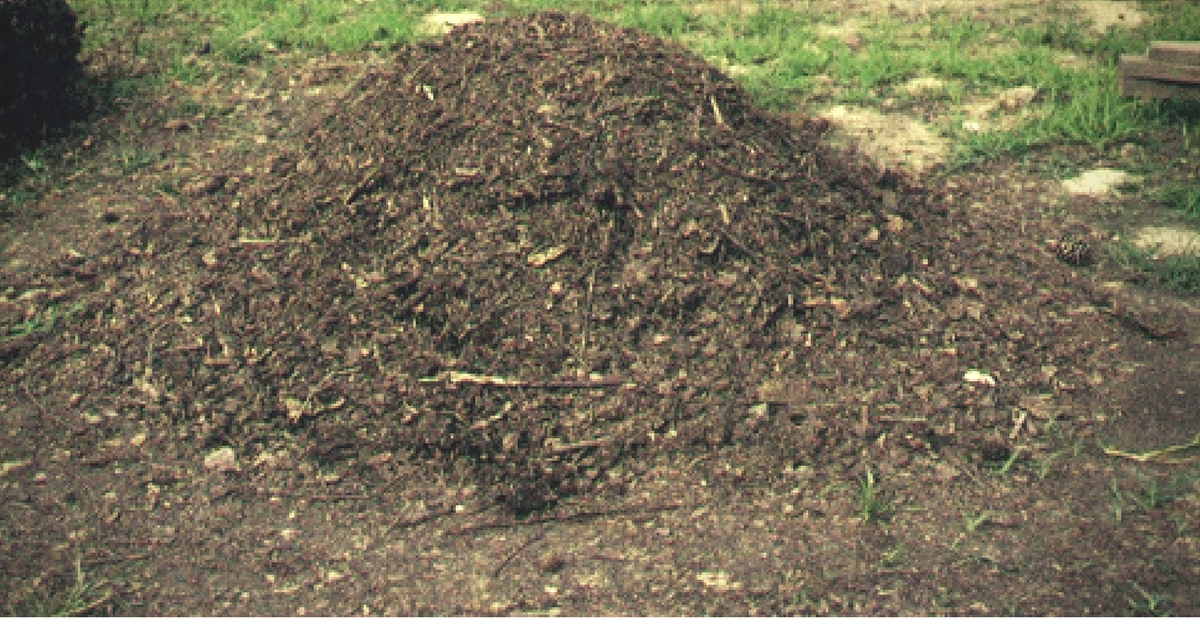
(545, 250)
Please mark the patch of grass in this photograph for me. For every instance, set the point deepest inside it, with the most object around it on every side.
(83, 598)
(41, 322)
(1117, 508)
(883, 62)
(1173, 21)
(15, 198)
(974, 523)
(893, 557)
(1153, 495)
(1146, 603)
(1178, 273)
(1180, 523)
(1045, 464)
(1061, 34)
(872, 506)
(33, 324)
(1090, 110)
(1006, 466)
(133, 158)
(1184, 199)
(246, 32)
(662, 20)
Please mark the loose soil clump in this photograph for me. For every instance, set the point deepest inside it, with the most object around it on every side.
(537, 254)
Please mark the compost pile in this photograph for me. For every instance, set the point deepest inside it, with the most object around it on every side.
(545, 250)
(563, 242)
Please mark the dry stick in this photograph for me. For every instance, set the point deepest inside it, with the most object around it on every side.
(716, 110)
(415, 521)
(579, 516)
(108, 595)
(458, 377)
(536, 537)
(587, 319)
(41, 409)
(963, 466)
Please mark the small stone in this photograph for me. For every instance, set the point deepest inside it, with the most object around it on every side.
(718, 580)
(334, 576)
(979, 377)
(223, 459)
(13, 465)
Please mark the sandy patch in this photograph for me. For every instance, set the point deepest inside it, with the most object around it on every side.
(1098, 182)
(1168, 241)
(1106, 13)
(442, 23)
(889, 140)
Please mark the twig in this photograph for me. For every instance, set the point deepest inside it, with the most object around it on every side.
(716, 111)
(40, 407)
(587, 320)
(579, 516)
(399, 522)
(108, 595)
(459, 377)
(536, 537)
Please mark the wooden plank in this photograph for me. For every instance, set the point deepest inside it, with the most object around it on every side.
(1179, 52)
(1134, 66)
(1148, 88)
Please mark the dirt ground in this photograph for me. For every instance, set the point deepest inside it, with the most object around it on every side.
(547, 318)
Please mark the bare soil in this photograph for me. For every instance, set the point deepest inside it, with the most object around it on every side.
(546, 317)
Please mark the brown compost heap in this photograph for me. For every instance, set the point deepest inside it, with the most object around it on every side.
(542, 251)
(565, 242)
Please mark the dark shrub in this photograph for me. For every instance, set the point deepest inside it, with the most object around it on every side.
(39, 71)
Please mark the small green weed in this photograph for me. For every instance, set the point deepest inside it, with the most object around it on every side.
(41, 322)
(1147, 603)
(1177, 273)
(892, 557)
(871, 505)
(1007, 466)
(1044, 465)
(1118, 505)
(1182, 198)
(974, 523)
(1153, 495)
(34, 324)
(83, 598)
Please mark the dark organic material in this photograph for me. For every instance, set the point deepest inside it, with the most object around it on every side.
(39, 41)
(536, 255)
(553, 199)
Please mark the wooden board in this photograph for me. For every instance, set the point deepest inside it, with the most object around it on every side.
(1181, 52)
(1170, 69)
(1147, 88)
(1146, 68)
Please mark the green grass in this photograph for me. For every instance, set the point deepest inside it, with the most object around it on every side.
(1148, 496)
(41, 322)
(82, 598)
(972, 523)
(1184, 199)
(872, 506)
(1144, 603)
(1179, 274)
